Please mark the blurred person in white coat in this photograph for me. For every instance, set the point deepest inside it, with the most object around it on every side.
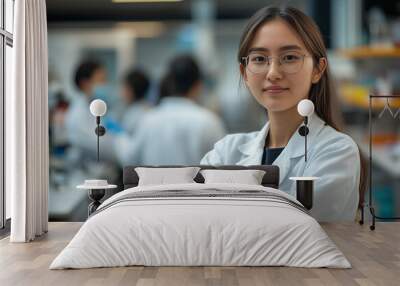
(178, 130)
(135, 87)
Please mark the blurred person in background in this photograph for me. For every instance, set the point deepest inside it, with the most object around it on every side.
(135, 87)
(58, 141)
(165, 87)
(178, 131)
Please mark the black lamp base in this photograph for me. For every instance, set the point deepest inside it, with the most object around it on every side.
(95, 195)
(304, 192)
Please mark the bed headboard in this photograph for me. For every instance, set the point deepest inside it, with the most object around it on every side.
(270, 179)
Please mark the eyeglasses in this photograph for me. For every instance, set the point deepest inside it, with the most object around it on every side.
(290, 62)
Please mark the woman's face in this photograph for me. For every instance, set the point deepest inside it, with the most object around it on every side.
(276, 89)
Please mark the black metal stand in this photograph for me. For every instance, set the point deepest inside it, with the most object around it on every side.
(305, 138)
(95, 195)
(303, 131)
(100, 131)
(304, 192)
(371, 208)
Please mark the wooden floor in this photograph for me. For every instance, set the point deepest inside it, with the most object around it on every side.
(374, 255)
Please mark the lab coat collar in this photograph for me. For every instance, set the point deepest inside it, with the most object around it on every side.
(296, 143)
(257, 143)
(253, 149)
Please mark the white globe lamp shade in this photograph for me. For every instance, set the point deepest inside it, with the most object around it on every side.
(305, 107)
(98, 107)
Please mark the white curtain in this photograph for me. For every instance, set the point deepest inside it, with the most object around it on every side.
(27, 145)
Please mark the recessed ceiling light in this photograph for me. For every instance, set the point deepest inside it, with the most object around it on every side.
(144, 1)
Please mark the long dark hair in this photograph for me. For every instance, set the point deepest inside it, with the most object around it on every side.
(322, 93)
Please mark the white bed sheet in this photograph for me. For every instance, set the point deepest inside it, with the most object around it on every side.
(200, 231)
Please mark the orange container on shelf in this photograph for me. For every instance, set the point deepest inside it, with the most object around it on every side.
(383, 139)
(378, 103)
(358, 95)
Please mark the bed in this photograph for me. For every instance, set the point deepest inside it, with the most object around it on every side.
(201, 224)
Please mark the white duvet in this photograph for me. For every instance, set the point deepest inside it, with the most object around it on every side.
(200, 231)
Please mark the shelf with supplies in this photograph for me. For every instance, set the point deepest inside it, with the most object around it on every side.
(375, 70)
(386, 157)
(386, 149)
(366, 52)
(358, 96)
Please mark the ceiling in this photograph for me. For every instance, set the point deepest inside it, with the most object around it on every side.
(105, 10)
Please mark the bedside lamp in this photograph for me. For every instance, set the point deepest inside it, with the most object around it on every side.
(97, 188)
(305, 108)
(98, 108)
(305, 185)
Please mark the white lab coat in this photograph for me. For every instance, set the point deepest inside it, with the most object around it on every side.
(332, 156)
(178, 132)
(133, 115)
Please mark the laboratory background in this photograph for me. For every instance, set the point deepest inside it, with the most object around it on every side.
(127, 53)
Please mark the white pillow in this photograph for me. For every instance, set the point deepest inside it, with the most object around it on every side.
(163, 176)
(248, 177)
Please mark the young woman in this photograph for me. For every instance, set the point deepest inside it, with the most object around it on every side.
(282, 60)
